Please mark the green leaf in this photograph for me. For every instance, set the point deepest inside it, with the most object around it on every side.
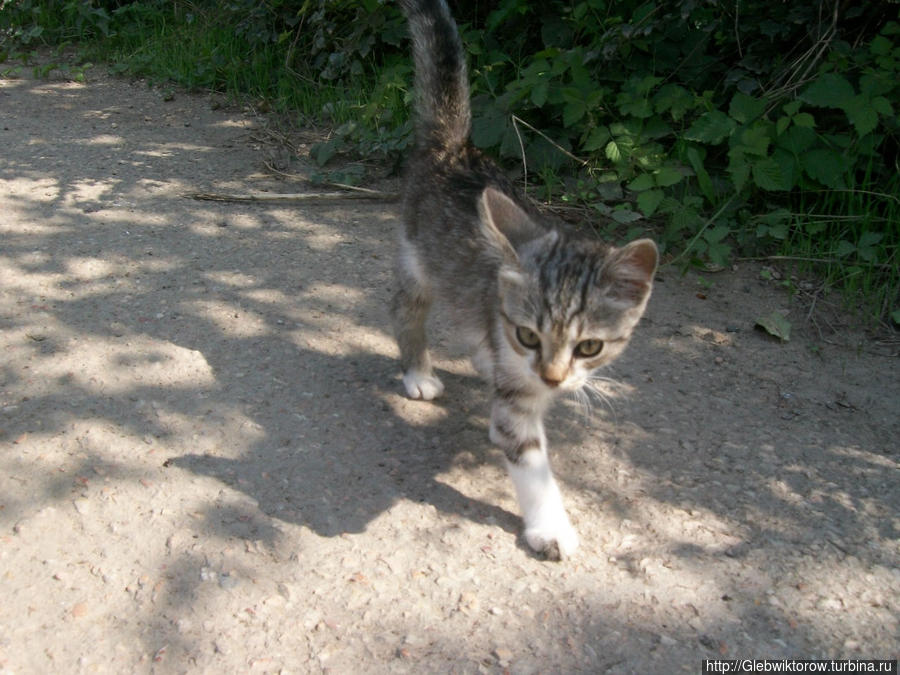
(654, 128)
(845, 248)
(895, 316)
(703, 178)
(739, 169)
(826, 166)
(684, 218)
(625, 216)
(667, 176)
(487, 131)
(573, 111)
(322, 152)
(649, 201)
(639, 108)
(509, 144)
(711, 127)
(804, 120)
(790, 109)
(797, 139)
(790, 167)
(866, 247)
(774, 224)
(646, 84)
(880, 46)
(643, 182)
(718, 253)
(539, 93)
(767, 175)
(830, 90)
(882, 106)
(782, 124)
(870, 238)
(673, 98)
(877, 83)
(861, 114)
(596, 139)
(745, 108)
(776, 324)
(756, 139)
(716, 234)
(613, 152)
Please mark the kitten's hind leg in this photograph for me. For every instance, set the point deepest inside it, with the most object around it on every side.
(412, 301)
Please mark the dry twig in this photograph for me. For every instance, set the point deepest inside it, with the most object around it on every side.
(291, 197)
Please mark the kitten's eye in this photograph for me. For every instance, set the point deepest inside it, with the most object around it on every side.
(588, 348)
(528, 337)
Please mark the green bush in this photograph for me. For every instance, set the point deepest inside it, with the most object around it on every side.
(731, 129)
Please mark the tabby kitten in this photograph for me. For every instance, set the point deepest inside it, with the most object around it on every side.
(540, 309)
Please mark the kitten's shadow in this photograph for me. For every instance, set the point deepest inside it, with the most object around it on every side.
(347, 456)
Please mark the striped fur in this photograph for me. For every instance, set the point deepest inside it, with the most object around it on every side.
(530, 299)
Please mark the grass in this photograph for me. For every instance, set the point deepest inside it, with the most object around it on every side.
(184, 44)
(849, 239)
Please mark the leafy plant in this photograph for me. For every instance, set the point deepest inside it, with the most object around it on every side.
(728, 130)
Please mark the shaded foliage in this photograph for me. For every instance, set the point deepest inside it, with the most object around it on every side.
(737, 128)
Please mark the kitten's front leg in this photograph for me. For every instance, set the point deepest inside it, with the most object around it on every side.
(519, 431)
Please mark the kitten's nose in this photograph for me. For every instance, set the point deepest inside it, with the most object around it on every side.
(551, 379)
(553, 375)
(550, 382)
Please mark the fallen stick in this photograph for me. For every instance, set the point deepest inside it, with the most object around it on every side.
(292, 197)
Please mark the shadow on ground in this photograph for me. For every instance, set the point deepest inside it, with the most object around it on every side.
(247, 348)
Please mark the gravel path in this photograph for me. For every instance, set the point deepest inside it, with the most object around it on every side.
(207, 466)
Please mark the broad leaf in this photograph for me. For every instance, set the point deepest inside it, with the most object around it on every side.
(667, 176)
(739, 169)
(782, 124)
(573, 111)
(649, 201)
(776, 324)
(745, 108)
(768, 175)
(845, 248)
(596, 139)
(539, 93)
(700, 171)
(797, 139)
(643, 182)
(711, 127)
(716, 234)
(805, 120)
(625, 216)
(756, 139)
(487, 131)
(882, 106)
(825, 166)
(861, 114)
(830, 90)
(613, 152)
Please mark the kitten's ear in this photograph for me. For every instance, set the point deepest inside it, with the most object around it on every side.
(503, 222)
(628, 273)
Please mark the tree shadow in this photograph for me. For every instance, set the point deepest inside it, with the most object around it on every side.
(335, 476)
(248, 345)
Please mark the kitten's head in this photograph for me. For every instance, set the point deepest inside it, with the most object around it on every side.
(567, 306)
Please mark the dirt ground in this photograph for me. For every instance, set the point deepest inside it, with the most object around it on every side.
(207, 464)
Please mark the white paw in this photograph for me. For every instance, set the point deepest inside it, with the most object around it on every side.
(421, 385)
(554, 537)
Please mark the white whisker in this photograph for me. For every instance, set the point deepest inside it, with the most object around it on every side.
(594, 389)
